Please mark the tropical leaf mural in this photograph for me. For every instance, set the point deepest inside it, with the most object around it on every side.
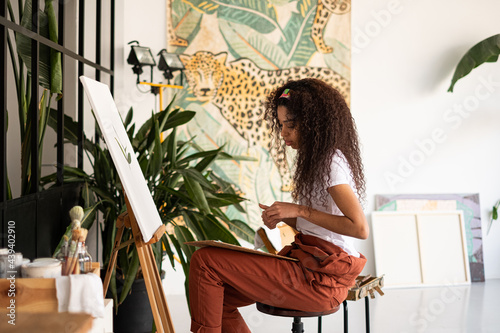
(233, 43)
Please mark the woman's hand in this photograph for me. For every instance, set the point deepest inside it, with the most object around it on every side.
(279, 211)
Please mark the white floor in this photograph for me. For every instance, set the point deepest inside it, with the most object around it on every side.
(447, 309)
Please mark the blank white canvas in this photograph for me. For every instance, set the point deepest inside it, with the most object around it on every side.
(123, 156)
(444, 260)
(396, 248)
(420, 248)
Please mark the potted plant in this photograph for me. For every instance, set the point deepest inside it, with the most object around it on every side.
(486, 50)
(189, 196)
(46, 208)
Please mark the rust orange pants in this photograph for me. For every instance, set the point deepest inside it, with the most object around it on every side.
(221, 281)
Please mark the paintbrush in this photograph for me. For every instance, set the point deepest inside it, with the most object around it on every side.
(78, 236)
(76, 214)
(69, 257)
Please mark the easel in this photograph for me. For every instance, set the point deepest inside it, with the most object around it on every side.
(152, 279)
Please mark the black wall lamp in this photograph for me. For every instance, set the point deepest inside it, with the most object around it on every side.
(169, 63)
(140, 56)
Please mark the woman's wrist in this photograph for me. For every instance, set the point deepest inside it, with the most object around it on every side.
(304, 211)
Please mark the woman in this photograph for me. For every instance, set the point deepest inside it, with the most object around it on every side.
(314, 119)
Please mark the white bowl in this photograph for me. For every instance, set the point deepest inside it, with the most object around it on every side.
(42, 269)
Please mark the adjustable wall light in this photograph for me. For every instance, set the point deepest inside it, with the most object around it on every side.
(140, 56)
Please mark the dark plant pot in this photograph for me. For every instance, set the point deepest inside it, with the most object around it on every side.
(134, 314)
(39, 219)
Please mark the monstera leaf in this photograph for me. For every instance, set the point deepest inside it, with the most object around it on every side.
(484, 51)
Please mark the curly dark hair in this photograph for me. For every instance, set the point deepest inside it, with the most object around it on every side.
(325, 125)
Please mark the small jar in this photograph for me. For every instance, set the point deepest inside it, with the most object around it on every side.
(84, 259)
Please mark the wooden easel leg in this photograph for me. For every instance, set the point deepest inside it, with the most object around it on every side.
(152, 279)
(155, 290)
(112, 260)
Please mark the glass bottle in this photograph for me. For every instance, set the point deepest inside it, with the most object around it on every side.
(61, 255)
(84, 259)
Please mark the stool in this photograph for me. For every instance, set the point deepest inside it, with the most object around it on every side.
(297, 325)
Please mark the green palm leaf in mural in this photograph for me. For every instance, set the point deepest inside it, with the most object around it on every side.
(186, 20)
(253, 13)
(202, 6)
(255, 46)
(299, 45)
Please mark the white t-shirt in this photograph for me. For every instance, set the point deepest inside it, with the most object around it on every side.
(340, 174)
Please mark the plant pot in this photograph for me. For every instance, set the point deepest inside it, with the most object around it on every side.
(39, 220)
(134, 314)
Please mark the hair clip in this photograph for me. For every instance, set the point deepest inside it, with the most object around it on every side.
(285, 94)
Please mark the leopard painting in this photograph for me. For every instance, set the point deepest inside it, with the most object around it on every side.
(324, 10)
(238, 88)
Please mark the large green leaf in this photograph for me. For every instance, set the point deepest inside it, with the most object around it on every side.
(180, 195)
(130, 275)
(166, 245)
(179, 119)
(183, 235)
(50, 72)
(170, 148)
(157, 154)
(222, 199)
(217, 231)
(70, 130)
(485, 51)
(102, 168)
(55, 56)
(184, 262)
(196, 176)
(128, 118)
(194, 224)
(196, 193)
(90, 216)
(242, 230)
(71, 175)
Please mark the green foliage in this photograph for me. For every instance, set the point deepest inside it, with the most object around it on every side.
(252, 13)
(50, 74)
(190, 198)
(494, 215)
(50, 78)
(298, 43)
(485, 51)
(246, 26)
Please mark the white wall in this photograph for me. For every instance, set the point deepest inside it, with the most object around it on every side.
(404, 54)
(144, 22)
